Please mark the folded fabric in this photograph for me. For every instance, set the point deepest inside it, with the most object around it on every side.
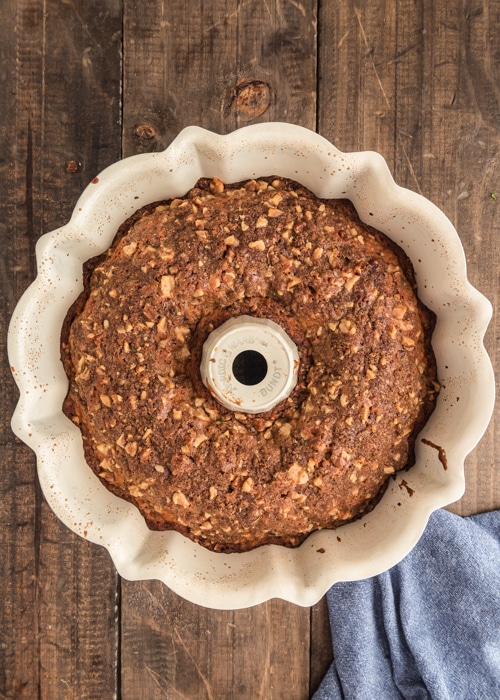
(427, 628)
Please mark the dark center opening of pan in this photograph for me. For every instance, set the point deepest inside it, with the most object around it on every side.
(249, 367)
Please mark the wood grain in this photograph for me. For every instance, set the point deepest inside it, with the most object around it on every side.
(87, 81)
(220, 65)
(176, 649)
(58, 627)
(78, 637)
(424, 93)
(19, 502)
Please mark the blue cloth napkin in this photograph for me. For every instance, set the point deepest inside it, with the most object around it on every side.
(427, 628)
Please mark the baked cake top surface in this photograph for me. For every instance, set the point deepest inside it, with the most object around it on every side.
(269, 249)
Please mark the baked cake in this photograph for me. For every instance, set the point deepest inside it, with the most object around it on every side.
(268, 248)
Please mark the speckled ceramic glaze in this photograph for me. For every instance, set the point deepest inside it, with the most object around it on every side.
(357, 550)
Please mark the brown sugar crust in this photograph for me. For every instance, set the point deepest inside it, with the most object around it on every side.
(344, 293)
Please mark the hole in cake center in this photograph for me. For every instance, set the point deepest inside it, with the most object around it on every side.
(249, 367)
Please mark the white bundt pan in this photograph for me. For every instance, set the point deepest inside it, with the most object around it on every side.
(358, 550)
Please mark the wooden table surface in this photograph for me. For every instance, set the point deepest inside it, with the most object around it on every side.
(87, 82)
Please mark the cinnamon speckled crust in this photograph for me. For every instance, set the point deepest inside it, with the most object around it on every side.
(342, 291)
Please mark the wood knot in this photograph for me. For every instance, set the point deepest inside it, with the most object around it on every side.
(250, 98)
(145, 131)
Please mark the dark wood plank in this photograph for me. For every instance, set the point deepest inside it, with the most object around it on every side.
(19, 674)
(321, 652)
(175, 61)
(168, 645)
(222, 65)
(357, 76)
(78, 619)
(175, 649)
(80, 131)
(59, 125)
(423, 91)
(461, 169)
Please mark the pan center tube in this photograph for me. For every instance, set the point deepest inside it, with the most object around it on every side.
(249, 364)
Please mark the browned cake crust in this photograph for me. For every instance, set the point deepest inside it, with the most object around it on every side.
(343, 292)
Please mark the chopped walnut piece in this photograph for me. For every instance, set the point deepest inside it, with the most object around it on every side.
(199, 439)
(130, 248)
(179, 499)
(166, 254)
(275, 199)
(247, 485)
(214, 282)
(131, 448)
(286, 429)
(257, 245)
(121, 441)
(106, 464)
(167, 284)
(399, 312)
(297, 474)
(347, 327)
(294, 281)
(344, 400)
(351, 282)
(216, 185)
(274, 213)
